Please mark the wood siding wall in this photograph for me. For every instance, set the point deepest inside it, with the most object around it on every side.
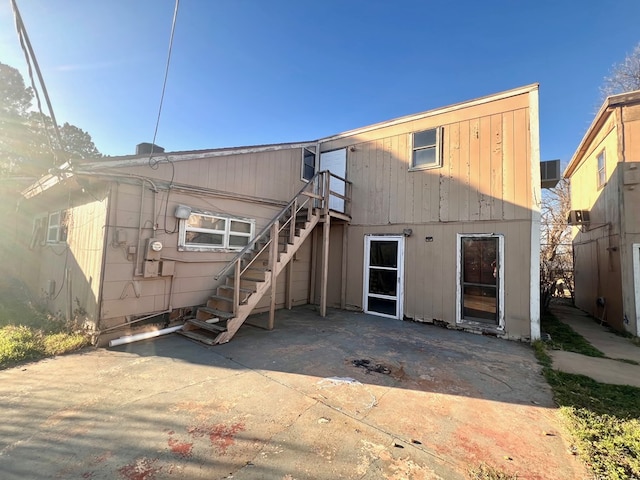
(267, 175)
(483, 186)
(603, 250)
(597, 266)
(273, 176)
(81, 254)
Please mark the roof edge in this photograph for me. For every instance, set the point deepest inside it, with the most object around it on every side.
(609, 102)
(437, 111)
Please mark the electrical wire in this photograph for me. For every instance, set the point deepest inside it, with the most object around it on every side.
(153, 164)
(30, 56)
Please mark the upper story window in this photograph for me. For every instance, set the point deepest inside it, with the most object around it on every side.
(205, 231)
(602, 169)
(308, 163)
(426, 149)
(57, 227)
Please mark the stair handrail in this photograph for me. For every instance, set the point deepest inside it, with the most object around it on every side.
(251, 245)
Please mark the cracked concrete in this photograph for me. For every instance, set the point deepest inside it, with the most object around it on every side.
(263, 406)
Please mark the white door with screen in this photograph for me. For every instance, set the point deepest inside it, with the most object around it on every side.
(383, 275)
(336, 162)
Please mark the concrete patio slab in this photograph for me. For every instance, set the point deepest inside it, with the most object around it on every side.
(287, 404)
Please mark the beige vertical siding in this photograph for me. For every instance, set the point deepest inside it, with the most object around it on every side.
(271, 176)
(629, 175)
(483, 186)
(430, 269)
(597, 264)
(81, 254)
(334, 286)
(471, 185)
(268, 175)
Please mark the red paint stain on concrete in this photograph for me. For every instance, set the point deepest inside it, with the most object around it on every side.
(141, 469)
(220, 435)
(180, 448)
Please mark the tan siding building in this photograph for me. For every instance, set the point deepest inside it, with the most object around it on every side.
(432, 217)
(605, 182)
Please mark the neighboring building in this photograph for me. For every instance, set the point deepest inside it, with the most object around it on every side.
(605, 202)
(432, 217)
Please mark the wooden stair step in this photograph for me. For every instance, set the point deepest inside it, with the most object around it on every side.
(216, 313)
(242, 290)
(249, 279)
(201, 324)
(199, 336)
(222, 298)
(257, 270)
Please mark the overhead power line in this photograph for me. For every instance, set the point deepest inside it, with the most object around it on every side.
(30, 56)
(164, 83)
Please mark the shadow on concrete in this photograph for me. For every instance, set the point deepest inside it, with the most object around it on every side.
(419, 356)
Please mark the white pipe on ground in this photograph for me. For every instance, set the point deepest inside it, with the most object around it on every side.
(143, 336)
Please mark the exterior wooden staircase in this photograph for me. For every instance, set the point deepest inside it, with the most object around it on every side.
(253, 271)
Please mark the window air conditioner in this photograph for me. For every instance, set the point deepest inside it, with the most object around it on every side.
(578, 217)
(549, 173)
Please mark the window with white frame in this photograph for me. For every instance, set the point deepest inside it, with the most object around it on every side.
(308, 163)
(208, 231)
(602, 168)
(57, 227)
(426, 149)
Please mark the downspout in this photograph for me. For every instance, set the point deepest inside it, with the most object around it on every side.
(136, 271)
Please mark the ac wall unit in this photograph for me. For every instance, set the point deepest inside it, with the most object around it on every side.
(549, 173)
(578, 217)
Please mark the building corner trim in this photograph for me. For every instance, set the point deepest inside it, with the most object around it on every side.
(534, 281)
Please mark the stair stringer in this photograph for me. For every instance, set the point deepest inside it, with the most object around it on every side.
(245, 309)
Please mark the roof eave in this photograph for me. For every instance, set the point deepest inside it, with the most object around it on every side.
(438, 111)
(604, 111)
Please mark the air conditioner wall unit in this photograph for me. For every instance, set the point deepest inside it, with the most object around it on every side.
(549, 173)
(578, 217)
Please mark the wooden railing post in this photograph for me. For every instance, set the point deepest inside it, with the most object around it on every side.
(236, 287)
(327, 191)
(273, 261)
(325, 248)
(292, 222)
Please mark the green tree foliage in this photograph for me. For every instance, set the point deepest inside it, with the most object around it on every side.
(28, 144)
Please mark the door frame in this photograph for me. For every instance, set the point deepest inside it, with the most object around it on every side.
(500, 286)
(338, 186)
(636, 282)
(365, 277)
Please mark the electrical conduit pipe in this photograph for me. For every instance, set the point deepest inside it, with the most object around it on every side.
(143, 336)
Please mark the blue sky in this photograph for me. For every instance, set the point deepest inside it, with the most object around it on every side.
(247, 72)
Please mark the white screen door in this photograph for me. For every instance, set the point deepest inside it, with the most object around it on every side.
(336, 162)
(383, 275)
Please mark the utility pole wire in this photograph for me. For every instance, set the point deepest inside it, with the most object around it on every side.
(29, 55)
(164, 83)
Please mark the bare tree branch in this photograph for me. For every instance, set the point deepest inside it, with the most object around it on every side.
(556, 254)
(625, 76)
